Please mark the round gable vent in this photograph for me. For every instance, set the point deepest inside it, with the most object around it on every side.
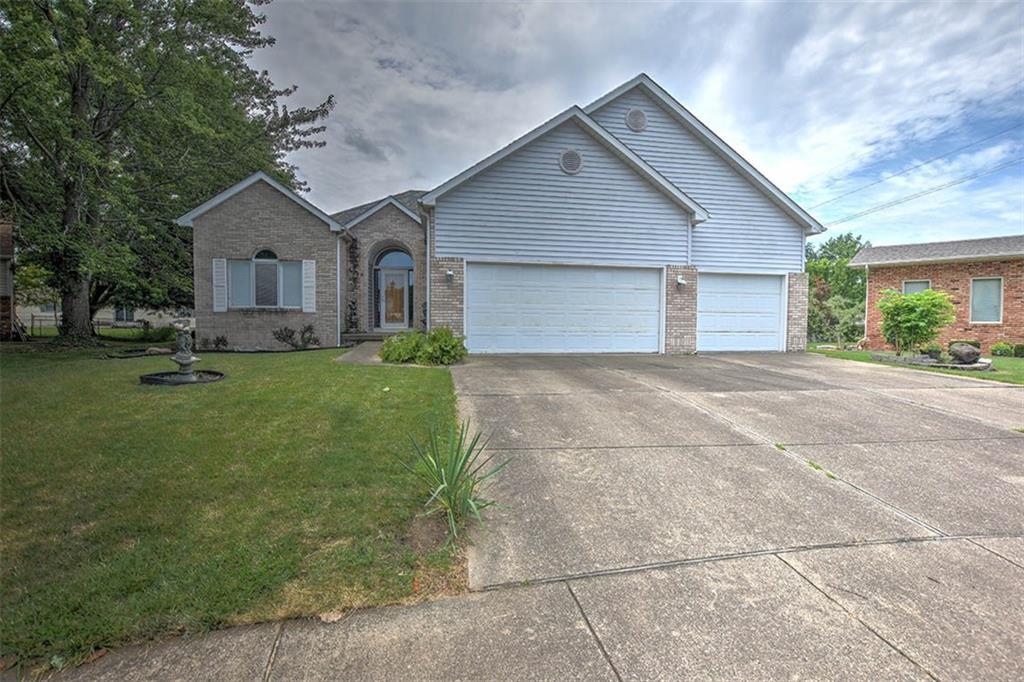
(636, 120)
(570, 161)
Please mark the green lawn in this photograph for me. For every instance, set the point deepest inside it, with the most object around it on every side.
(1007, 370)
(129, 511)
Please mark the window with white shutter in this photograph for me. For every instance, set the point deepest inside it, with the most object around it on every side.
(220, 285)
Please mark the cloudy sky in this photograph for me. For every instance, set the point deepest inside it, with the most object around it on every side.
(823, 98)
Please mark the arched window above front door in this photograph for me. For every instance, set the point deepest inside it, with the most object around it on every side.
(394, 259)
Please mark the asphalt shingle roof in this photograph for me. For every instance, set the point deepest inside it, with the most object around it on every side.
(965, 249)
(408, 198)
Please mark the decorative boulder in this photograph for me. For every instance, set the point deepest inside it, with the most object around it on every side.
(964, 353)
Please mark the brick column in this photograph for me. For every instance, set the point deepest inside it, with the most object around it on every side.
(446, 296)
(796, 314)
(680, 310)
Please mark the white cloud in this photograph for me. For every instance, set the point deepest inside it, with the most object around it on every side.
(813, 95)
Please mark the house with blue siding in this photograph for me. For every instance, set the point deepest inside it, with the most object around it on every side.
(626, 226)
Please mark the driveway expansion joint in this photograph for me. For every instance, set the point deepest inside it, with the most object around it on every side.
(715, 558)
(593, 632)
(268, 670)
(974, 542)
(857, 618)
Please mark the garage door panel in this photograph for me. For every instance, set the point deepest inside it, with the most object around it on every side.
(739, 312)
(562, 309)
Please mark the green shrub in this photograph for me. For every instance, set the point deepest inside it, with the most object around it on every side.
(911, 320)
(305, 338)
(157, 334)
(973, 342)
(442, 347)
(932, 350)
(452, 471)
(402, 347)
(1002, 349)
(1018, 350)
(439, 347)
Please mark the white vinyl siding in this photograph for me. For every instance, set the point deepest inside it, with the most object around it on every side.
(747, 231)
(525, 208)
(740, 312)
(987, 300)
(913, 286)
(518, 308)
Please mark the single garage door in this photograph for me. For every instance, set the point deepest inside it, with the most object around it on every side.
(739, 312)
(515, 308)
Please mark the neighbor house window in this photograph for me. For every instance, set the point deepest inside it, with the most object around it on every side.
(264, 282)
(987, 299)
(912, 286)
(124, 314)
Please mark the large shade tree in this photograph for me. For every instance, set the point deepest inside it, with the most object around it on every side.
(118, 115)
(836, 301)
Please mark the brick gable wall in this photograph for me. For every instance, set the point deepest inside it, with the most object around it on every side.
(260, 217)
(955, 280)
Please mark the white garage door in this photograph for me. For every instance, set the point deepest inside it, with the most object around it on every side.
(562, 309)
(739, 312)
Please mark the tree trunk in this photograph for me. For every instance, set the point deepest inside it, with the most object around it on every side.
(76, 317)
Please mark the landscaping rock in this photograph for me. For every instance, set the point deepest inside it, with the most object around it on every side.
(155, 350)
(964, 354)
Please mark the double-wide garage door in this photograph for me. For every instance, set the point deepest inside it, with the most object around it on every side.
(518, 308)
(739, 312)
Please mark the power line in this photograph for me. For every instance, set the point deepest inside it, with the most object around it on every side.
(930, 190)
(916, 166)
(994, 97)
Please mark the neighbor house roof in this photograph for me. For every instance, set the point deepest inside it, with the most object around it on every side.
(406, 201)
(588, 124)
(187, 219)
(695, 126)
(964, 249)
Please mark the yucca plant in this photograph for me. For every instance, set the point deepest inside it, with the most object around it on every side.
(453, 470)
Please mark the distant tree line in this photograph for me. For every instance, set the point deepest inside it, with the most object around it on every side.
(116, 117)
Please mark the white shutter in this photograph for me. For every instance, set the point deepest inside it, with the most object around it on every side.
(309, 286)
(220, 285)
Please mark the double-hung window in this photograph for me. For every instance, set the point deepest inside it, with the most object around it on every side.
(987, 300)
(912, 286)
(264, 282)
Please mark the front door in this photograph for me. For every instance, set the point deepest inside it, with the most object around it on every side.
(394, 298)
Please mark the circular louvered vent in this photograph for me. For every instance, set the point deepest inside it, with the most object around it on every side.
(571, 161)
(636, 120)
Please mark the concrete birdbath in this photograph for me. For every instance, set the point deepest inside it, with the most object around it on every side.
(184, 359)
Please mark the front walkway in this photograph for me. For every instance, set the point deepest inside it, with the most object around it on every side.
(707, 517)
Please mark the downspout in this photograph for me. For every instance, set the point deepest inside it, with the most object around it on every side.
(425, 218)
(867, 297)
(337, 288)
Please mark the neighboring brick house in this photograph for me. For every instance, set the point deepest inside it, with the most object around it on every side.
(6, 279)
(984, 278)
(624, 226)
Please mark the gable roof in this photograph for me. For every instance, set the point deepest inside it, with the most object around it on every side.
(964, 249)
(407, 202)
(588, 124)
(259, 176)
(694, 125)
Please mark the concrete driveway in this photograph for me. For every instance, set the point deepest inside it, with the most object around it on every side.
(760, 514)
(715, 517)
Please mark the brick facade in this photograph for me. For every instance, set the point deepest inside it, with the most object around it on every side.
(955, 280)
(386, 229)
(680, 310)
(796, 312)
(260, 217)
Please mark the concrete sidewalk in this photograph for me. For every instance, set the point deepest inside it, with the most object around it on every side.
(943, 608)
